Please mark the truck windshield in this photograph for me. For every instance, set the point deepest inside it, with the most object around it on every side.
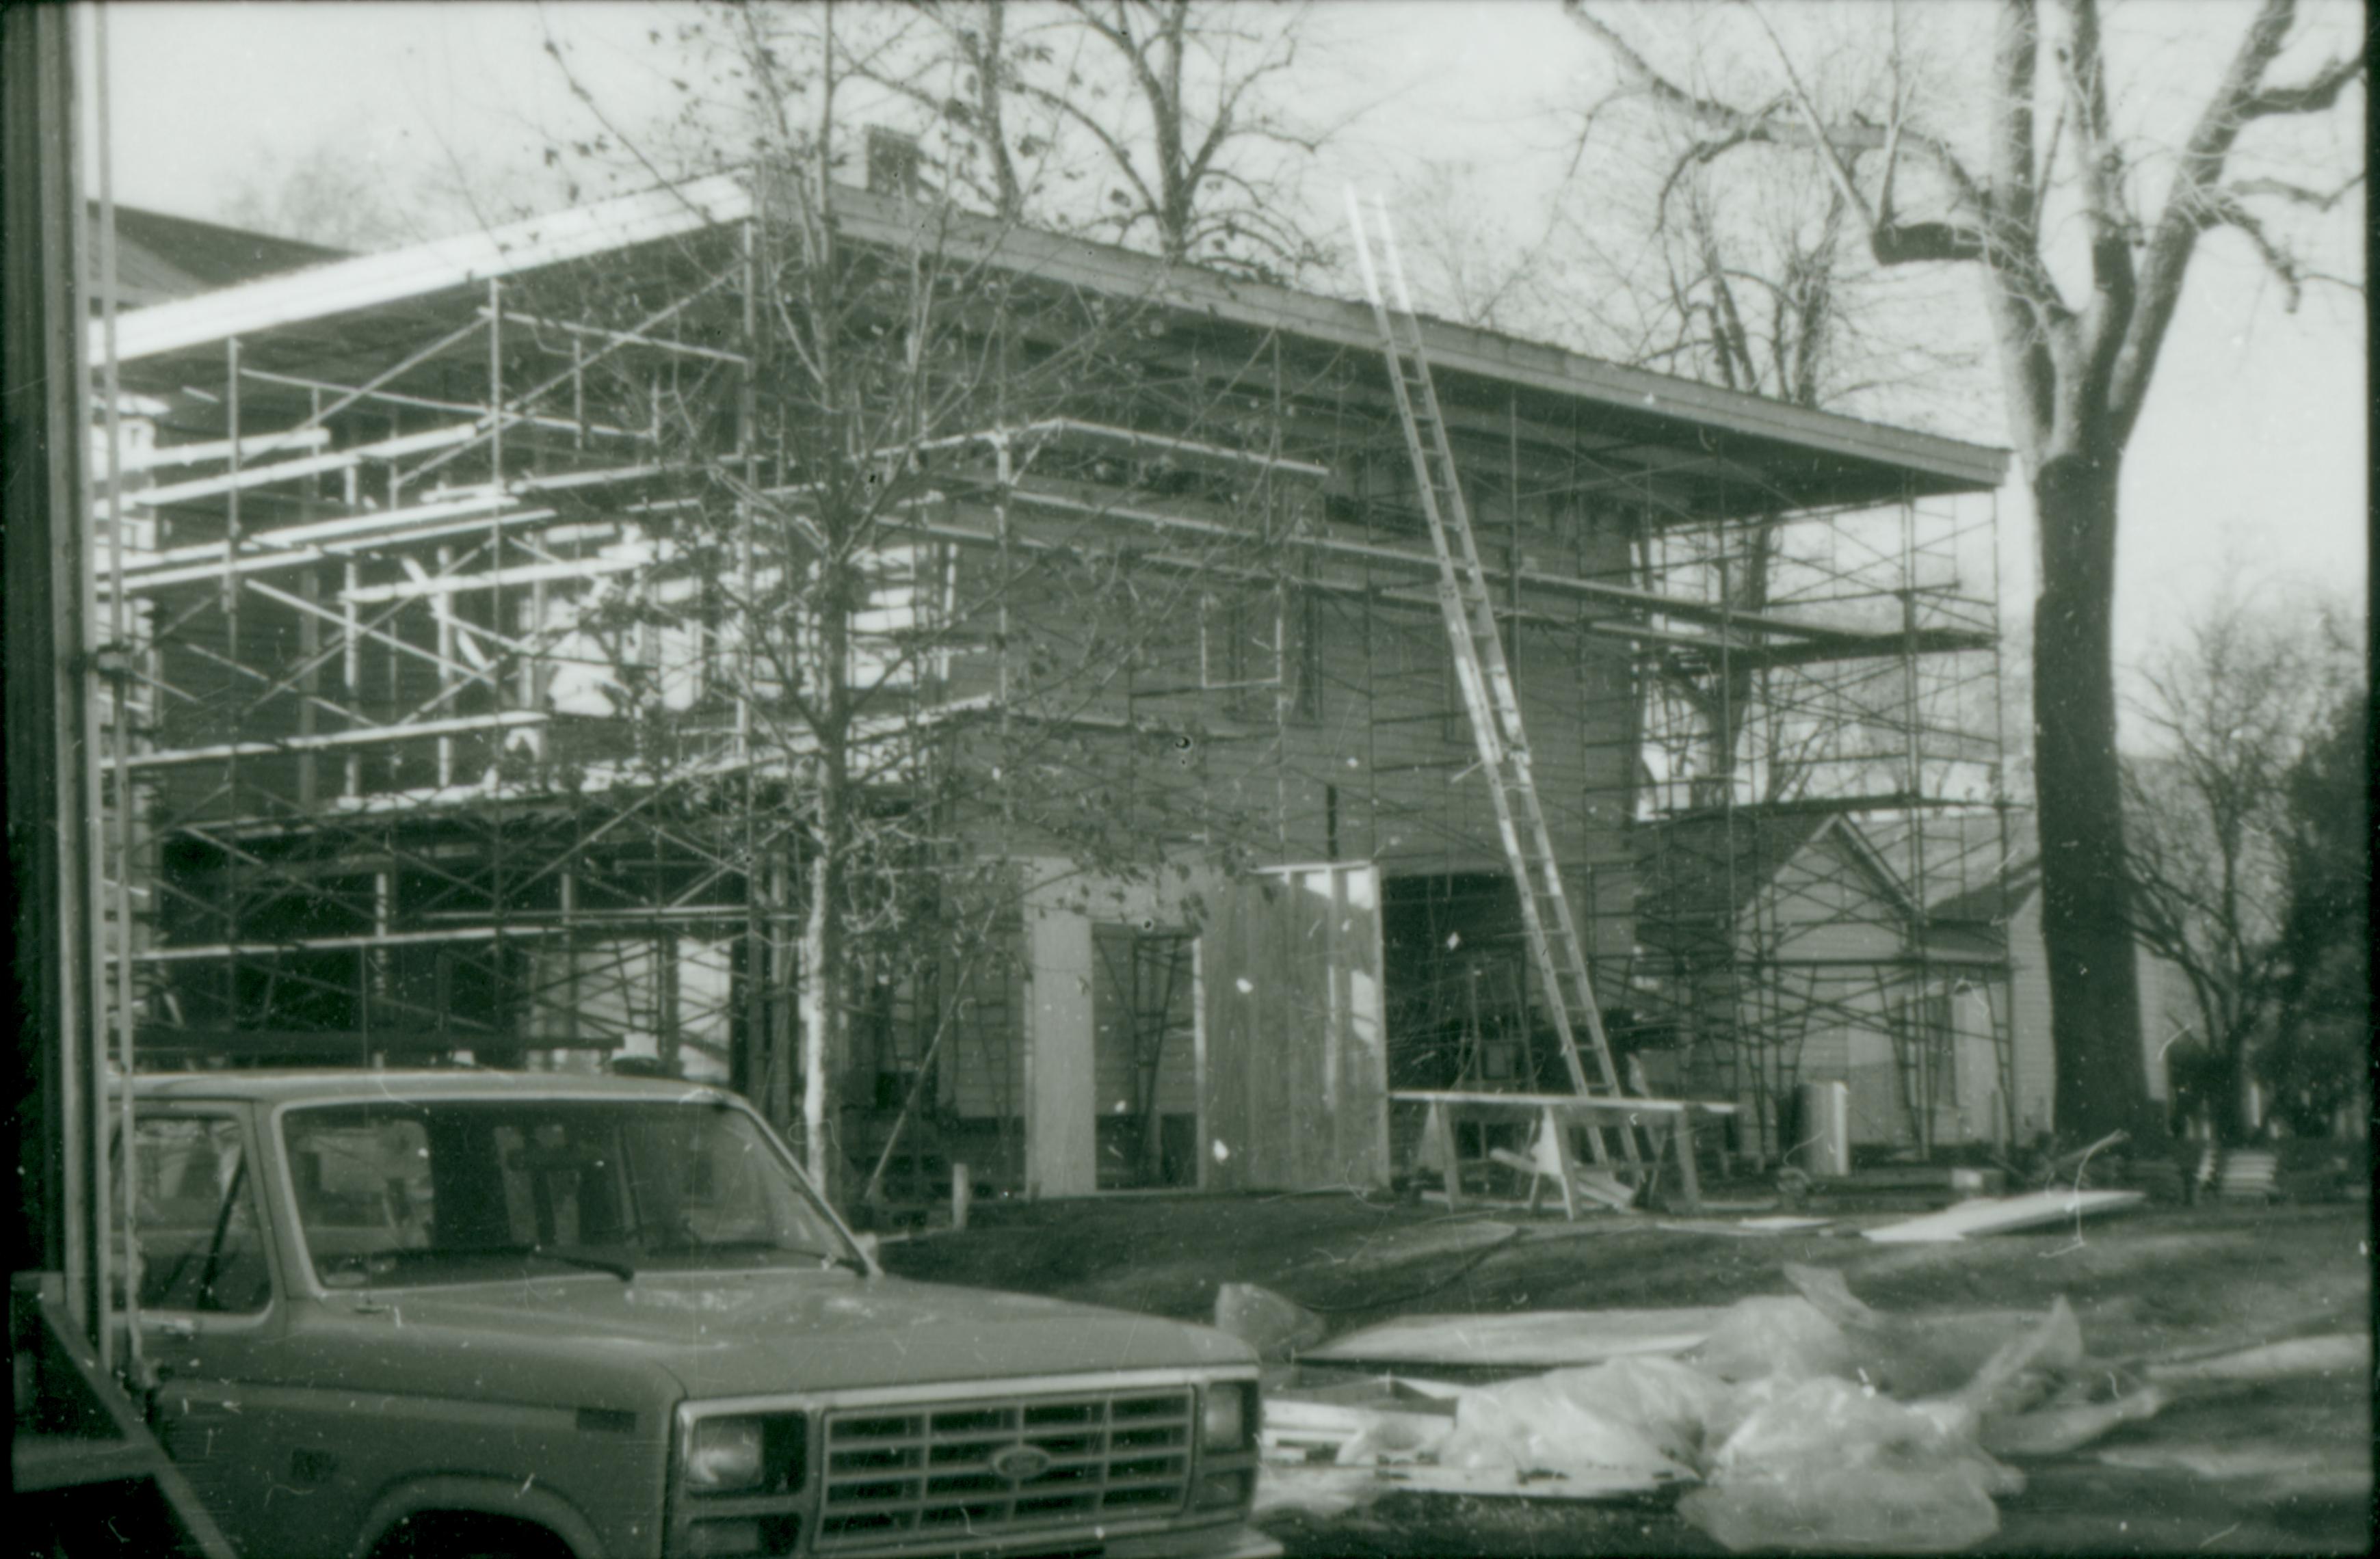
(392, 1193)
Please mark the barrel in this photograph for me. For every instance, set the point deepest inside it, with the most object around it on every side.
(1824, 1149)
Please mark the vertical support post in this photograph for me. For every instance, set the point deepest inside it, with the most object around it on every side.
(309, 639)
(231, 498)
(496, 389)
(666, 953)
(228, 901)
(116, 873)
(1437, 1133)
(1920, 1003)
(351, 668)
(568, 888)
(448, 647)
(44, 419)
(382, 895)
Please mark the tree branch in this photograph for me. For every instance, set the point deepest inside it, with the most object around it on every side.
(2016, 48)
(2100, 164)
(2297, 194)
(2222, 208)
(2197, 174)
(2310, 96)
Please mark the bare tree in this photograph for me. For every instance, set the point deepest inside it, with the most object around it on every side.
(1197, 143)
(2078, 349)
(2232, 710)
(1161, 124)
(836, 564)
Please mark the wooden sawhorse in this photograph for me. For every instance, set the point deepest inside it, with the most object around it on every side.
(1549, 1157)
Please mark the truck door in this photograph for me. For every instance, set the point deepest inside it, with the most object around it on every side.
(209, 1315)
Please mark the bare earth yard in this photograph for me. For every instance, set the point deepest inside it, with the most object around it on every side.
(2279, 1468)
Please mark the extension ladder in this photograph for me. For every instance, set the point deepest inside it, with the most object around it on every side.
(1486, 677)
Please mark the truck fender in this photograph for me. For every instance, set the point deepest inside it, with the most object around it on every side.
(477, 1495)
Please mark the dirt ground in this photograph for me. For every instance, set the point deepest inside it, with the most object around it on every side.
(2283, 1468)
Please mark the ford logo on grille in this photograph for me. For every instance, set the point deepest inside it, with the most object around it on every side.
(1019, 1463)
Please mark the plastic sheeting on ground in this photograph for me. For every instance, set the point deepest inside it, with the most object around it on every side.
(1779, 1416)
(1824, 1466)
(1633, 1415)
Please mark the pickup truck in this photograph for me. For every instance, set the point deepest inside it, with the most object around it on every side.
(389, 1314)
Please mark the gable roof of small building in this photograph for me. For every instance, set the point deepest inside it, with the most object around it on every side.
(160, 258)
(1992, 903)
(1698, 876)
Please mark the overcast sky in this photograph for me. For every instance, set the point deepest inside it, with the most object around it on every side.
(2249, 468)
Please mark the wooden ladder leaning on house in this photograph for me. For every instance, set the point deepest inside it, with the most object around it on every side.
(1486, 677)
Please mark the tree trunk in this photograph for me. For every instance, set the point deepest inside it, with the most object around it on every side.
(2086, 905)
(823, 1017)
(826, 989)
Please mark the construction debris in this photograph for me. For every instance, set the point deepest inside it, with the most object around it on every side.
(1398, 1429)
(2003, 1215)
(2327, 1354)
(2278, 1472)
(1775, 1335)
(1531, 1340)
(1914, 1356)
(1631, 1418)
(1606, 1189)
(1810, 1421)
(1826, 1466)
(1748, 1228)
(1277, 1328)
(2055, 1431)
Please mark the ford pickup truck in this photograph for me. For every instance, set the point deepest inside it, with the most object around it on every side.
(445, 1313)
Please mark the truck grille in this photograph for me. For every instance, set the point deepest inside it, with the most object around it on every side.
(978, 1469)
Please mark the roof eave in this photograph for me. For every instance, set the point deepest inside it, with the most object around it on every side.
(368, 281)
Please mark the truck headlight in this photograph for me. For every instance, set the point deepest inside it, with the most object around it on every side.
(724, 1456)
(1227, 1417)
(743, 1452)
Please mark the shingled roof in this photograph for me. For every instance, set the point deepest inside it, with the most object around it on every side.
(159, 256)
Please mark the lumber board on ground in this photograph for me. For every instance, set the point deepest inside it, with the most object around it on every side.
(2329, 1354)
(1746, 1228)
(1533, 1339)
(2002, 1215)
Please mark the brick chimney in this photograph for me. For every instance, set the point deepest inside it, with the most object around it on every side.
(891, 161)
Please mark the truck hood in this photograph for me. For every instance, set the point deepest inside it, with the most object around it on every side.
(751, 1332)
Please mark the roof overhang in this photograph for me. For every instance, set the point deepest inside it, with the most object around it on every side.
(1839, 458)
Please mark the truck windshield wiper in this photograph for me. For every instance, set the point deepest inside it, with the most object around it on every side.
(763, 1248)
(410, 1255)
(620, 1270)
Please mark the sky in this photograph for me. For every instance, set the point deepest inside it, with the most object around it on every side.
(2248, 474)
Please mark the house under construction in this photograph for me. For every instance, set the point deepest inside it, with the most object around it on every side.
(468, 608)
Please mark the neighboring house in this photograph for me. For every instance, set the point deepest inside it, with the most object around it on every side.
(1786, 949)
(427, 765)
(2003, 918)
(159, 257)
